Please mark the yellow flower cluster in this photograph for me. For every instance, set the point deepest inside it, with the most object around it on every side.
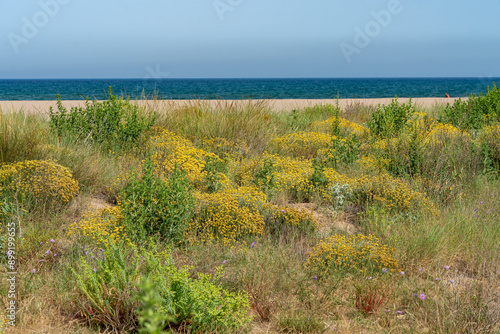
(44, 181)
(346, 127)
(374, 165)
(301, 144)
(3, 321)
(290, 174)
(170, 149)
(289, 216)
(443, 133)
(221, 217)
(384, 190)
(100, 227)
(358, 253)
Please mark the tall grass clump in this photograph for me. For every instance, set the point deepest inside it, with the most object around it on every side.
(250, 122)
(21, 136)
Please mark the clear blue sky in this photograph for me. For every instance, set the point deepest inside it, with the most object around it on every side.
(248, 38)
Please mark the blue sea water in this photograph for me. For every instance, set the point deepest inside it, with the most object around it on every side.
(76, 89)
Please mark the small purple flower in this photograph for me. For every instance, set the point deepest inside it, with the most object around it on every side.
(370, 277)
(41, 242)
(399, 312)
(402, 273)
(141, 257)
(33, 271)
(253, 243)
(52, 240)
(9, 253)
(422, 296)
(86, 252)
(475, 210)
(482, 202)
(436, 279)
(282, 211)
(415, 294)
(41, 261)
(55, 255)
(420, 269)
(384, 270)
(224, 262)
(91, 257)
(452, 281)
(47, 252)
(315, 278)
(446, 267)
(95, 270)
(101, 249)
(386, 310)
(81, 247)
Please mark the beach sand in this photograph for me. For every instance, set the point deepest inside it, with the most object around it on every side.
(42, 107)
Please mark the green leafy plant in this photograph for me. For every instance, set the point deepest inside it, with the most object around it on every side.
(388, 120)
(153, 206)
(108, 282)
(151, 319)
(112, 122)
(264, 177)
(475, 112)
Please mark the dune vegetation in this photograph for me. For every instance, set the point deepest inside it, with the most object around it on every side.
(235, 218)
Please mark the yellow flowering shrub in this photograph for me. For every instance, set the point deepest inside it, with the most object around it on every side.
(284, 218)
(393, 194)
(44, 182)
(100, 227)
(347, 128)
(301, 144)
(372, 164)
(289, 174)
(443, 133)
(220, 217)
(171, 149)
(353, 253)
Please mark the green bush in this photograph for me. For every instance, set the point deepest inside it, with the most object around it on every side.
(112, 122)
(388, 120)
(474, 113)
(153, 206)
(108, 281)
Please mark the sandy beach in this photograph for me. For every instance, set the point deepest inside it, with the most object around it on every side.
(42, 107)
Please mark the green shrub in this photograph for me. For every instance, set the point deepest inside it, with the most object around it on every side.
(108, 282)
(112, 122)
(388, 120)
(153, 206)
(474, 113)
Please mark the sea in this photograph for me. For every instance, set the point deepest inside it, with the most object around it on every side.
(233, 89)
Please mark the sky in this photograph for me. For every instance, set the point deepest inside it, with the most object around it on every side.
(248, 38)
